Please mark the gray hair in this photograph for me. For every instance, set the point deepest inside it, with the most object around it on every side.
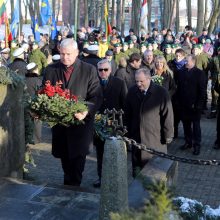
(104, 61)
(145, 71)
(193, 57)
(148, 51)
(68, 42)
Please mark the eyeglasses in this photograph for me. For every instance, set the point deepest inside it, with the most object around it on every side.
(105, 69)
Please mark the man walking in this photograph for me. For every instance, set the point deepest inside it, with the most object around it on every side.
(149, 116)
(71, 144)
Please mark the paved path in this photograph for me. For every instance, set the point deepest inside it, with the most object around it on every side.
(194, 181)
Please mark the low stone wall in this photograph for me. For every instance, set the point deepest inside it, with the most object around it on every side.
(12, 131)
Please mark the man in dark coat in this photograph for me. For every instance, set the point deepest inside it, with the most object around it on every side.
(114, 93)
(71, 144)
(127, 73)
(191, 90)
(149, 116)
(92, 58)
(19, 65)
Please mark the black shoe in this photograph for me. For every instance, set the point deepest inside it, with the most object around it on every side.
(97, 183)
(216, 146)
(185, 146)
(211, 115)
(196, 151)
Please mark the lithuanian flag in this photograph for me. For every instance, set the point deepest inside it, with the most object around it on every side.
(2, 11)
(108, 28)
(8, 34)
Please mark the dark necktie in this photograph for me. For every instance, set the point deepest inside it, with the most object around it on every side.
(67, 73)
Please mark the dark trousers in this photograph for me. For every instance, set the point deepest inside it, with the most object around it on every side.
(73, 169)
(192, 132)
(218, 128)
(136, 160)
(99, 154)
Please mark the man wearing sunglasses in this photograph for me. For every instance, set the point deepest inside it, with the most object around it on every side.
(114, 93)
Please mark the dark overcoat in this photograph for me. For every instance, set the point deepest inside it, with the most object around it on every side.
(114, 93)
(191, 92)
(127, 74)
(149, 117)
(76, 139)
(19, 66)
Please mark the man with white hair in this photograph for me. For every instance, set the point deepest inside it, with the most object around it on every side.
(71, 144)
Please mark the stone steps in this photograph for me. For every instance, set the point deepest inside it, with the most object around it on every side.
(20, 200)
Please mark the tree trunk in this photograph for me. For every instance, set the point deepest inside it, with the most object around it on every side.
(123, 18)
(53, 6)
(26, 11)
(71, 17)
(172, 4)
(86, 21)
(78, 14)
(102, 21)
(118, 15)
(113, 13)
(216, 13)
(200, 16)
(58, 10)
(20, 16)
(177, 17)
(136, 16)
(189, 12)
(149, 5)
(206, 14)
(12, 7)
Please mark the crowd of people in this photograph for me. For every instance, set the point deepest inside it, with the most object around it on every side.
(115, 72)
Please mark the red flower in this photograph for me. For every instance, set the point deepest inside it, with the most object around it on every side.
(74, 98)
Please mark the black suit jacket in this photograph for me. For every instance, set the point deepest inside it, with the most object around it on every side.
(75, 140)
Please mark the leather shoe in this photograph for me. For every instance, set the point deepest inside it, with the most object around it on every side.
(97, 183)
(185, 146)
(196, 151)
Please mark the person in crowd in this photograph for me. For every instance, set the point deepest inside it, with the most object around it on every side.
(131, 48)
(103, 46)
(71, 144)
(125, 48)
(177, 65)
(93, 57)
(169, 56)
(14, 46)
(129, 37)
(154, 36)
(191, 90)
(161, 69)
(5, 57)
(156, 51)
(19, 65)
(215, 71)
(33, 83)
(208, 48)
(143, 48)
(127, 73)
(204, 36)
(116, 34)
(216, 44)
(109, 57)
(148, 61)
(114, 93)
(37, 57)
(148, 116)
(217, 90)
(118, 53)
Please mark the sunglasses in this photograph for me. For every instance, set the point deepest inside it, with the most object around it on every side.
(105, 69)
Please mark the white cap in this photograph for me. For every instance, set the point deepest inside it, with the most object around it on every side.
(6, 50)
(93, 48)
(56, 57)
(31, 66)
(18, 52)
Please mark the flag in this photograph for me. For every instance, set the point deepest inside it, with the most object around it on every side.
(2, 11)
(144, 14)
(15, 20)
(53, 28)
(8, 35)
(45, 11)
(35, 28)
(108, 28)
